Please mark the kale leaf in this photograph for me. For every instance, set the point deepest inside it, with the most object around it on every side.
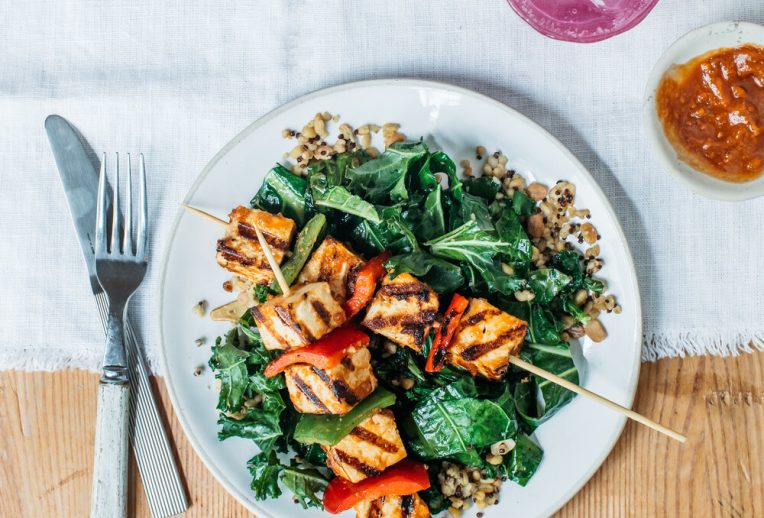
(522, 204)
(339, 198)
(546, 283)
(384, 179)
(542, 326)
(520, 250)
(392, 234)
(265, 468)
(537, 399)
(441, 275)
(484, 186)
(468, 243)
(305, 483)
(523, 461)
(230, 366)
(451, 421)
(283, 192)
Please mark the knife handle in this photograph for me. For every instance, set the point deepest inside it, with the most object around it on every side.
(109, 498)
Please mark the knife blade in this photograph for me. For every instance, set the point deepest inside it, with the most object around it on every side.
(78, 168)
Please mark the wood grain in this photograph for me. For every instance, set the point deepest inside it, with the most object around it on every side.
(47, 424)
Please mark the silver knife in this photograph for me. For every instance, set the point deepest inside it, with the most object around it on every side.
(78, 167)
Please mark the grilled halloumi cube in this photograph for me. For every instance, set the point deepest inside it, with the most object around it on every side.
(409, 506)
(239, 250)
(403, 310)
(368, 449)
(297, 319)
(334, 263)
(332, 391)
(485, 339)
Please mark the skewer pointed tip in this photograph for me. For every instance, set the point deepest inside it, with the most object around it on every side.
(206, 215)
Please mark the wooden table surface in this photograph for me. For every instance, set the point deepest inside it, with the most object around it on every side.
(47, 432)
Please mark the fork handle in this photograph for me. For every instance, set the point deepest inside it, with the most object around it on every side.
(109, 497)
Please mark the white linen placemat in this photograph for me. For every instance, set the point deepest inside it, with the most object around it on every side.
(177, 79)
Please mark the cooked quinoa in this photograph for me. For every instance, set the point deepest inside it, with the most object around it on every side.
(314, 141)
(556, 225)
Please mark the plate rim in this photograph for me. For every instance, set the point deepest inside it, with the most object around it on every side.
(220, 476)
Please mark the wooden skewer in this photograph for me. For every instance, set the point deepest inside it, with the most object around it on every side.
(207, 215)
(631, 414)
(283, 284)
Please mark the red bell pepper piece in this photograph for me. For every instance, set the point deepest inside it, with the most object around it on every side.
(324, 353)
(437, 357)
(405, 478)
(365, 282)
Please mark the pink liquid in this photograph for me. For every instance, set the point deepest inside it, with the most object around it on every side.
(582, 21)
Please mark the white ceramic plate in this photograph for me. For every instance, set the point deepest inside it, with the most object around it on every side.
(576, 440)
(692, 44)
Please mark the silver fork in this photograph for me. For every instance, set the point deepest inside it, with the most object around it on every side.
(120, 268)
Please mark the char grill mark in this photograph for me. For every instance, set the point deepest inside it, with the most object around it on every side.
(343, 392)
(405, 291)
(447, 318)
(286, 317)
(308, 392)
(257, 315)
(352, 276)
(439, 357)
(480, 316)
(376, 440)
(424, 318)
(260, 319)
(407, 505)
(375, 509)
(321, 311)
(338, 387)
(474, 352)
(233, 255)
(248, 232)
(357, 464)
(416, 331)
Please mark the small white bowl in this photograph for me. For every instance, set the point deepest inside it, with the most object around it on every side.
(692, 44)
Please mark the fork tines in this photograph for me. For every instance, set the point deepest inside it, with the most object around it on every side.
(121, 243)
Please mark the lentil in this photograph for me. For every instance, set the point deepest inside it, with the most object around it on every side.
(200, 308)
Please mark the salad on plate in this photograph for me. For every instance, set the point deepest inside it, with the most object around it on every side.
(381, 381)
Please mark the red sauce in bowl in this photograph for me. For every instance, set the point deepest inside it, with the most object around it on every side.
(712, 112)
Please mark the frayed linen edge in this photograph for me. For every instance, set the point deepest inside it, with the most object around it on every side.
(42, 359)
(657, 346)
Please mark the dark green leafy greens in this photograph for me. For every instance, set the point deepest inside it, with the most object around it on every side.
(483, 186)
(283, 192)
(238, 360)
(523, 461)
(304, 482)
(384, 180)
(537, 399)
(546, 283)
(450, 424)
(339, 198)
(453, 234)
(440, 275)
